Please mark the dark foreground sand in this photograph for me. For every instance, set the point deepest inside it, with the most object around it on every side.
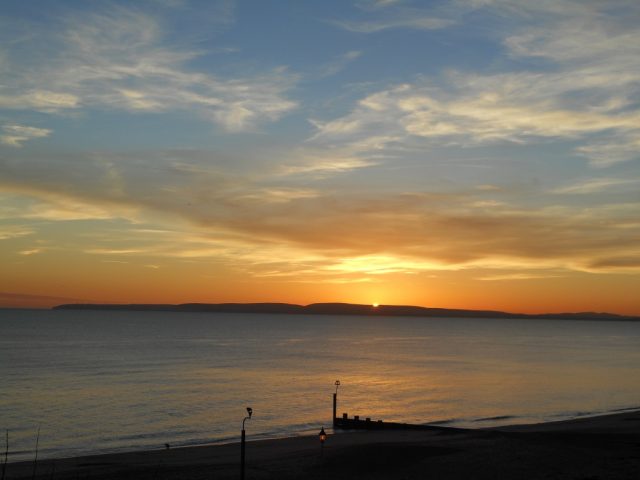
(606, 447)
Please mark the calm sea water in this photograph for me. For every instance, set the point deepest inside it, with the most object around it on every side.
(109, 381)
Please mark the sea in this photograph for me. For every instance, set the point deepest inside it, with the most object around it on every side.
(77, 382)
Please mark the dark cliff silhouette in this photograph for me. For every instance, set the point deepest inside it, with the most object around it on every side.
(342, 309)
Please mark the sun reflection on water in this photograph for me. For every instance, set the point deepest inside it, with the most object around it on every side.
(99, 382)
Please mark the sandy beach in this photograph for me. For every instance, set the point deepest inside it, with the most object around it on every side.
(604, 447)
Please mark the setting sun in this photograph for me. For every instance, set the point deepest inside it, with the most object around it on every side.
(198, 199)
(206, 171)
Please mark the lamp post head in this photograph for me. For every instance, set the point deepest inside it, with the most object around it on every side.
(323, 435)
(250, 412)
(337, 384)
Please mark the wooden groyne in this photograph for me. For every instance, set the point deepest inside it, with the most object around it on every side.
(356, 423)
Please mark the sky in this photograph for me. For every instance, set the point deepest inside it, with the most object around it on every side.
(477, 154)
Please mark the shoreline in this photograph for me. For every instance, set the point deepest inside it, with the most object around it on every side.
(451, 424)
(603, 446)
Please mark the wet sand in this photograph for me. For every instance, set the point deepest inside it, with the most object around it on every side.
(605, 447)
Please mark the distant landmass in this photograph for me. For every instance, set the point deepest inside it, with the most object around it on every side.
(341, 309)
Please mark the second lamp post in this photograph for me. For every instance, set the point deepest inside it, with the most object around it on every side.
(250, 412)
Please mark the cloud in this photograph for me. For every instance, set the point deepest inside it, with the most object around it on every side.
(597, 46)
(121, 251)
(120, 59)
(619, 263)
(517, 276)
(606, 29)
(422, 22)
(15, 231)
(612, 150)
(32, 251)
(287, 213)
(339, 64)
(374, 4)
(488, 188)
(571, 93)
(585, 95)
(391, 14)
(596, 185)
(39, 100)
(328, 164)
(51, 205)
(501, 108)
(278, 195)
(386, 264)
(251, 222)
(16, 135)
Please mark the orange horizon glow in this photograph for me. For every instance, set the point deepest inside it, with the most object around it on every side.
(116, 283)
(173, 261)
(190, 169)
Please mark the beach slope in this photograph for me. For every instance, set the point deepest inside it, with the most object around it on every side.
(605, 447)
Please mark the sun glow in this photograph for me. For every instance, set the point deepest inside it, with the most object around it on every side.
(375, 305)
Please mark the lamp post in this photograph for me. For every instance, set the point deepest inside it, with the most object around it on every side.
(335, 401)
(323, 437)
(250, 412)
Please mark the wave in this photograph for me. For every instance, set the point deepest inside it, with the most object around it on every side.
(626, 409)
(442, 422)
(498, 417)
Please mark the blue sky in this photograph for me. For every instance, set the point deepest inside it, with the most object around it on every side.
(290, 143)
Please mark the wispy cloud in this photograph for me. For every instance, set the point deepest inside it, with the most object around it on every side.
(118, 59)
(372, 191)
(339, 231)
(383, 264)
(586, 95)
(517, 276)
(278, 195)
(618, 263)
(39, 100)
(16, 135)
(374, 4)
(596, 185)
(392, 14)
(328, 164)
(503, 108)
(107, 251)
(402, 21)
(32, 251)
(14, 231)
(612, 150)
(339, 63)
(52, 205)
(596, 46)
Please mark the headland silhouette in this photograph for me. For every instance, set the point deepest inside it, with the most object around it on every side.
(343, 309)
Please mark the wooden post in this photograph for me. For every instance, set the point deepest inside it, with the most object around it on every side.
(335, 403)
